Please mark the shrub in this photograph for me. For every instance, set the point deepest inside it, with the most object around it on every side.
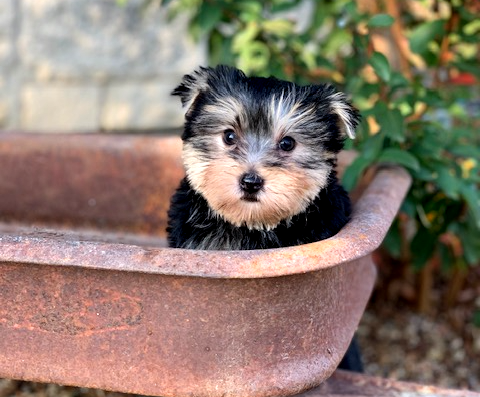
(412, 73)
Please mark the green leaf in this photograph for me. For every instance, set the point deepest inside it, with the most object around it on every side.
(336, 40)
(447, 182)
(372, 146)
(471, 243)
(468, 67)
(422, 247)
(208, 16)
(380, 21)
(408, 206)
(278, 27)
(361, 43)
(423, 174)
(247, 11)
(447, 259)
(354, 171)
(432, 98)
(471, 195)
(401, 157)
(465, 151)
(396, 129)
(391, 121)
(398, 80)
(284, 6)
(351, 9)
(254, 57)
(393, 241)
(380, 64)
(221, 49)
(424, 34)
(319, 15)
(472, 28)
(427, 146)
(308, 58)
(245, 37)
(476, 318)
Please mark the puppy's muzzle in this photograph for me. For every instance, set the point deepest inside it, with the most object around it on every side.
(251, 183)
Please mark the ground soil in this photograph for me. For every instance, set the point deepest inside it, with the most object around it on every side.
(440, 348)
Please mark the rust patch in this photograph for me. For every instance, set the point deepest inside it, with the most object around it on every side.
(59, 306)
(106, 182)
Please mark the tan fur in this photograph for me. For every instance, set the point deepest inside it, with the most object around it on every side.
(194, 166)
(341, 108)
(285, 193)
(244, 171)
(287, 190)
(285, 115)
(227, 109)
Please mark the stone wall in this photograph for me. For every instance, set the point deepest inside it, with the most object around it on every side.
(87, 65)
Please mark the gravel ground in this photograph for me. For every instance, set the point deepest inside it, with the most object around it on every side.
(406, 346)
(442, 349)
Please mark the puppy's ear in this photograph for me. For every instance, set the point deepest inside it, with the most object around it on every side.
(221, 80)
(191, 85)
(348, 116)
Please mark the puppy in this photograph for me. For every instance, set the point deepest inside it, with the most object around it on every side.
(260, 156)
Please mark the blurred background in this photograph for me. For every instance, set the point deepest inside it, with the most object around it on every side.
(91, 65)
(410, 66)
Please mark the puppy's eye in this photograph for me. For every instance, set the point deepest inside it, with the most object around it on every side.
(229, 137)
(287, 144)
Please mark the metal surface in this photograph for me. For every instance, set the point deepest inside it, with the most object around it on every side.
(106, 182)
(89, 297)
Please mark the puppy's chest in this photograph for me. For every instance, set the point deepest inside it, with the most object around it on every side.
(216, 234)
(223, 236)
(193, 225)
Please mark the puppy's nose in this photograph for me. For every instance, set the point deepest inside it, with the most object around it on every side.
(251, 182)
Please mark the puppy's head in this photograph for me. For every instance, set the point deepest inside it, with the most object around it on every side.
(259, 150)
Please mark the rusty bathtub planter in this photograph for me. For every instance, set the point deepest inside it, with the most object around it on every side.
(90, 296)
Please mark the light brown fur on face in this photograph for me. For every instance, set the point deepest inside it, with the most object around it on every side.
(287, 190)
(285, 113)
(289, 187)
(259, 155)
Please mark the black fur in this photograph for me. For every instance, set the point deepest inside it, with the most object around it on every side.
(191, 222)
(329, 118)
(207, 86)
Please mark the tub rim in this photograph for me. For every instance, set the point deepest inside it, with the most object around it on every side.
(372, 216)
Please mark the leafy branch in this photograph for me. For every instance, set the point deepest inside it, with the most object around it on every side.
(404, 69)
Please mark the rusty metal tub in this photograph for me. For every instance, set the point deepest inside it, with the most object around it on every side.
(90, 295)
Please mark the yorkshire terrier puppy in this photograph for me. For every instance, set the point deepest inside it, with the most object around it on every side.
(260, 156)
